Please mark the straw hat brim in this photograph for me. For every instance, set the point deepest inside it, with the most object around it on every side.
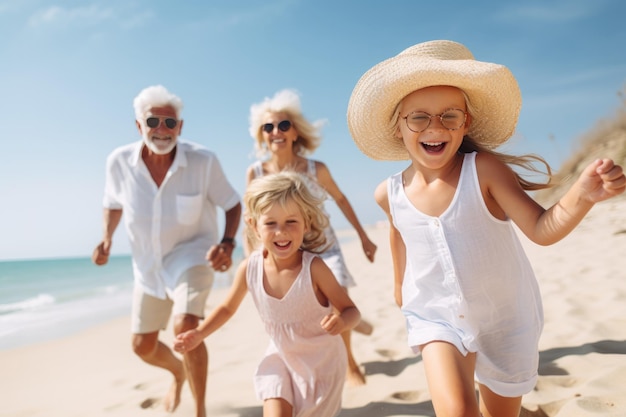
(491, 88)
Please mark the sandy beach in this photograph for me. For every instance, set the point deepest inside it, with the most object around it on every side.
(583, 346)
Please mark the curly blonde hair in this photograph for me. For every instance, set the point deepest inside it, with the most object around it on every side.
(285, 186)
(288, 102)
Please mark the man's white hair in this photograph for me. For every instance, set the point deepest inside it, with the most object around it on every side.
(156, 96)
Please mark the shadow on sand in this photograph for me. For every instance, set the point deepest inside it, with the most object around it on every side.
(399, 405)
(548, 356)
(390, 368)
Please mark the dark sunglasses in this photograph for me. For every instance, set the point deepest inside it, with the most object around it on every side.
(283, 126)
(154, 122)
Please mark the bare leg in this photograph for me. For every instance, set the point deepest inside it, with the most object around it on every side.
(277, 407)
(196, 362)
(354, 376)
(492, 404)
(450, 377)
(152, 351)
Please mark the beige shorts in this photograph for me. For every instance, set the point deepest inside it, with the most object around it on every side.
(150, 314)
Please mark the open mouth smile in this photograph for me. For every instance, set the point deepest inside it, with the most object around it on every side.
(433, 147)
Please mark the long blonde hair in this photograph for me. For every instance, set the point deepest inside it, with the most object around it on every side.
(526, 162)
(279, 188)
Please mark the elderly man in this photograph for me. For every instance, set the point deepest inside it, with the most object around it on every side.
(169, 190)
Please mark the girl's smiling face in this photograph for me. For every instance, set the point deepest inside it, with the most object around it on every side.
(281, 229)
(435, 145)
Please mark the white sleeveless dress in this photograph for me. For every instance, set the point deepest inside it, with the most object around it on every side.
(468, 282)
(303, 364)
(333, 257)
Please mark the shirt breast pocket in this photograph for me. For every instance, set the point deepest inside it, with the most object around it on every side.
(188, 208)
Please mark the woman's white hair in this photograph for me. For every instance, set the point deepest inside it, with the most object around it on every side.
(288, 102)
(156, 96)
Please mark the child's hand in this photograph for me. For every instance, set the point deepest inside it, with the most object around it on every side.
(333, 324)
(601, 180)
(189, 340)
(369, 248)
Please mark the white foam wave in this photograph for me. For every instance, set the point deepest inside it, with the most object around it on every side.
(28, 304)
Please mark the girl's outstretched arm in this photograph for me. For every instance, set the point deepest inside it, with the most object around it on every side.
(328, 290)
(398, 249)
(190, 339)
(599, 181)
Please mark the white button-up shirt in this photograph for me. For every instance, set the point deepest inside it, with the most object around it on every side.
(170, 227)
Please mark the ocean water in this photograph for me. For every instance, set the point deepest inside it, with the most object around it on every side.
(45, 299)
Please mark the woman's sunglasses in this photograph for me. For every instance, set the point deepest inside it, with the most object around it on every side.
(154, 121)
(283, 126)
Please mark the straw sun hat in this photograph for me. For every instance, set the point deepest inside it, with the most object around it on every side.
(492, 90)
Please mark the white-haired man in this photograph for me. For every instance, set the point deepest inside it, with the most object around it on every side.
(168, 190)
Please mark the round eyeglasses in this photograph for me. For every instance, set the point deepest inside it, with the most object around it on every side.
(451, 119)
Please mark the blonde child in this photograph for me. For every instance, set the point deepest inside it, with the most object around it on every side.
(296, 295)
(466, 288)
(283, 140)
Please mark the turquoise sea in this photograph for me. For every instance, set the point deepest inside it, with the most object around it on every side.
(51, 298)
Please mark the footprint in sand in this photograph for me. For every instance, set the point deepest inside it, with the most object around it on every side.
(149, 403)
(597, 404)
(406, 395)
(536, 413)
(386, 353)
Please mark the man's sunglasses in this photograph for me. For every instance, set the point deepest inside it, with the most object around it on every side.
(283, 126)
(154, 121)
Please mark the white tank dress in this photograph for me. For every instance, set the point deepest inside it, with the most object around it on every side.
(332, 256)
(303, 364)
(468, 282)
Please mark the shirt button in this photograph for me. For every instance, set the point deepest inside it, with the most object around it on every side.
(461, 316)
(436, 223)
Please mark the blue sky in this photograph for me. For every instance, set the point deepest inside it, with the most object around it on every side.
(69, 71)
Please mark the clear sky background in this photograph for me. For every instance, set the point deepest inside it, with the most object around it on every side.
(69, 71)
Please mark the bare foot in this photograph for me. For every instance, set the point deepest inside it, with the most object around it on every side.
(354, 377)
(172, 399)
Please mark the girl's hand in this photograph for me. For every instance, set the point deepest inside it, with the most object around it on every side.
(369, 248)
(601, 180)
(333, 324)
(186, 341)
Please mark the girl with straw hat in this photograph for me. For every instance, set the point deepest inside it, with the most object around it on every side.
(467, 290)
